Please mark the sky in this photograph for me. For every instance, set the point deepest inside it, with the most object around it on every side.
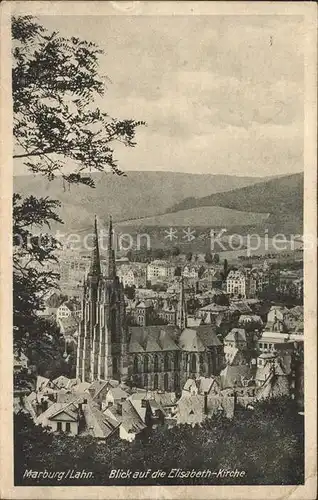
(220, 94)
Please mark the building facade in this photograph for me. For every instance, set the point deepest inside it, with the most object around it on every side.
(160, 270)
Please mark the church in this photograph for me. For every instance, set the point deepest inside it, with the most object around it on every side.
(153, 357)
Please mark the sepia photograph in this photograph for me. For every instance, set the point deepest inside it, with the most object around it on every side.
(158, 248)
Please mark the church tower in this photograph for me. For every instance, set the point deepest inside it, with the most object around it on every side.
(182, 308)
(102, 341)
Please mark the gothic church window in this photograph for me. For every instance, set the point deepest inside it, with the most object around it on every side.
(166, 363)
(201, 362)
(155, 381)
(155, 363)
(115, 366)
(176, 360)
(135, 364)
(166, 381)
(193, 363)
(176, 382)
(113, 324)
(146, 364)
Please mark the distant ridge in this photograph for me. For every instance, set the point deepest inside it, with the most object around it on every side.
(140, 194)
(281, 197)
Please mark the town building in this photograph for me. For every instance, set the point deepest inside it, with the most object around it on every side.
(132, 275)
(284, 320)
(160, 270)
(239, 283)
(67, 309)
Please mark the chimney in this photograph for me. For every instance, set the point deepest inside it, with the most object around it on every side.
(205, 403)
(119, 409)
(44, 405)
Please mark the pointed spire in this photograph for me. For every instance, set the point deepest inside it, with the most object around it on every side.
(111, 264)
(95, 268)
(182, 308)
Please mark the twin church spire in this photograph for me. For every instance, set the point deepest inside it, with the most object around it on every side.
(95, 271)
(95, 266)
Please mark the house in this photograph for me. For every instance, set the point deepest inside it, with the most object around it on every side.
(241, 283)
(69, 327)
(76, 414)
(201, 385)
(193, 409)
(276, 319)
(114, 396)
(236, 283)
(43, 384)
(60, 417)
(236, 338)
(98, 389)
(63, 382)
(234, 356)
(97, 424)
(233, 376)
(294, 320)
(250, 321)
(191, 272)
(160, 270)
(142, 312)
(168, 313)
(127, 419)
(142, 406)
(67, 309)
(269, 339)
(239, 307)
(284, 320)
(271, 378)
(209, 279)
(209, 312)
(261, 278)
(132, 275)
(51, 303)
(167, 402)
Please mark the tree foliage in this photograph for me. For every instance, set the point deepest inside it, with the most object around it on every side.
(55, 81)
(58, 131)
(267, 443)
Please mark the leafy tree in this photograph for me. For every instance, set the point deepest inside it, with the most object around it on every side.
(208, 258)
(157, 320)
(220, 299)
(178, 271)
(175, 251)
(130, 292)
(267, 443)
(31, 277)
(193, 305)
(55, 81)
(189, 256)
(216, 258)
(159, 253)
(201, 271)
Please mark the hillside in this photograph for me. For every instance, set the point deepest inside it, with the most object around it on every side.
(140, 194)
(201, 216)
(281, 197)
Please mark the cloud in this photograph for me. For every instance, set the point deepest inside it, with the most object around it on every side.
(219, 94)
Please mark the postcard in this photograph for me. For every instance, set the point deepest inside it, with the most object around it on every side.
(158, 251)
